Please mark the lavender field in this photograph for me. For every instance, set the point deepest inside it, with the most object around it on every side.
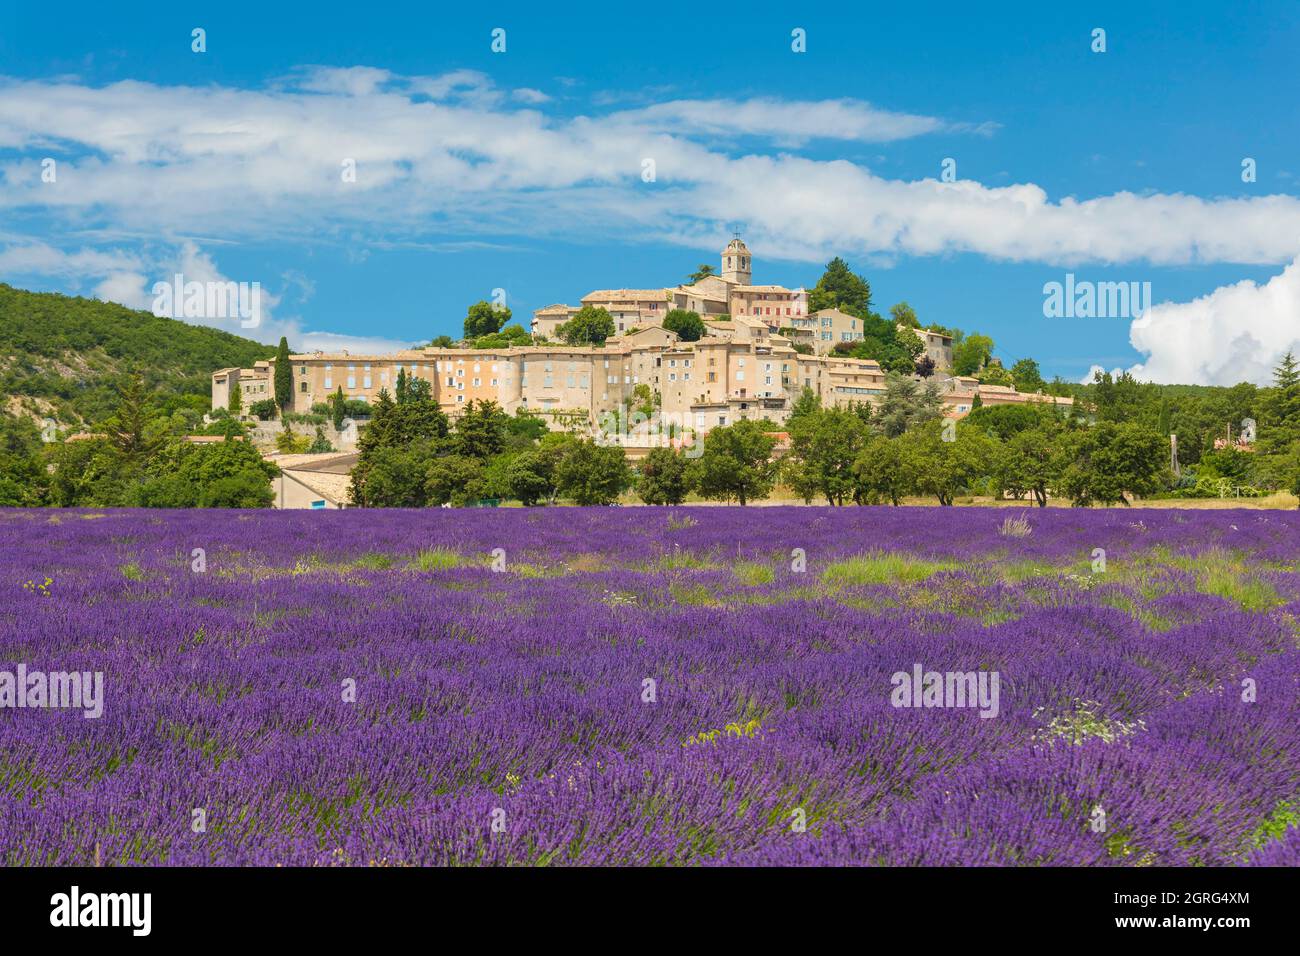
(653, 686)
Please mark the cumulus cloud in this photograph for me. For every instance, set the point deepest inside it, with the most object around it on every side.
(1234, 334)
(124, 288)
(453, 149)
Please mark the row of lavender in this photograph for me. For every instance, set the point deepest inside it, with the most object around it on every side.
(371, 688)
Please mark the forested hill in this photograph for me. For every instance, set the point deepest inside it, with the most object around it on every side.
(61, 355)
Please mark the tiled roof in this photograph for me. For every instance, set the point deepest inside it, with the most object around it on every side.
(627, 295)
(333, 487)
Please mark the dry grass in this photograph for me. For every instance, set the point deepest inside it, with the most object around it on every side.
(1018, 527)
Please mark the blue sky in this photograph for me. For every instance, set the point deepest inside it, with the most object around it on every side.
(522, 170)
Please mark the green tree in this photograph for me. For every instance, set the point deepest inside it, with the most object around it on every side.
(530, 477)
(883, 471)
(904, 314)
(1109, 462)
(703, 272)
(128, 428)
(839, 288)
(1027, 376)
(593, 474)
(942, 467)
(994, 374)
(507, 337)
(88, 473)
(236, 401)
(908, 347)
(736, 464)
(808, 403)
(1030, 462)
(906, 404)
(525, 430)
(338, 410)
(246, 489)
(484, 318)
(664, 478)
(319, 443)
(688, 325)
(590, 325)
(824, 447)
(971, 354)
(23, 478)
(264, 409)
(397, 444)
(1280, 408)
(455, 479)
(1004, 421)
(229, 474)
(283, 375)
(482, 430)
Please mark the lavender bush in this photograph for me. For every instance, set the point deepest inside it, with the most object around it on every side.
(652, 686)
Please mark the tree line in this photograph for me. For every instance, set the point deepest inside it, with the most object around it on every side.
(137, 457)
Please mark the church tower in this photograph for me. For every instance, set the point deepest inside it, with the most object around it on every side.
(735, 262)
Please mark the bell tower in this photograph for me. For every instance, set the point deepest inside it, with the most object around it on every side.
(735, 262)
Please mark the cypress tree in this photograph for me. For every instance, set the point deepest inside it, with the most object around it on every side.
(283, 376)
(337, 409)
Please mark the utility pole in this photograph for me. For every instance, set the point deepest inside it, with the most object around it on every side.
(1173, 454)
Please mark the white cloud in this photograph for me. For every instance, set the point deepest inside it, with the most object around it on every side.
(234, 164)
(787, 121)
(528, 95)
(24, 256)
(350, 81)
(1235, 334)
(125, 288)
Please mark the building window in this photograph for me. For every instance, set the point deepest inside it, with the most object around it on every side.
(329, 383)
(352, 381)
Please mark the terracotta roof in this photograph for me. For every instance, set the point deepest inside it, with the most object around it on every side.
(627, 295)
(345, 357)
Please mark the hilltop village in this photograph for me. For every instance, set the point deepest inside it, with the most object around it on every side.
(760, 348)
